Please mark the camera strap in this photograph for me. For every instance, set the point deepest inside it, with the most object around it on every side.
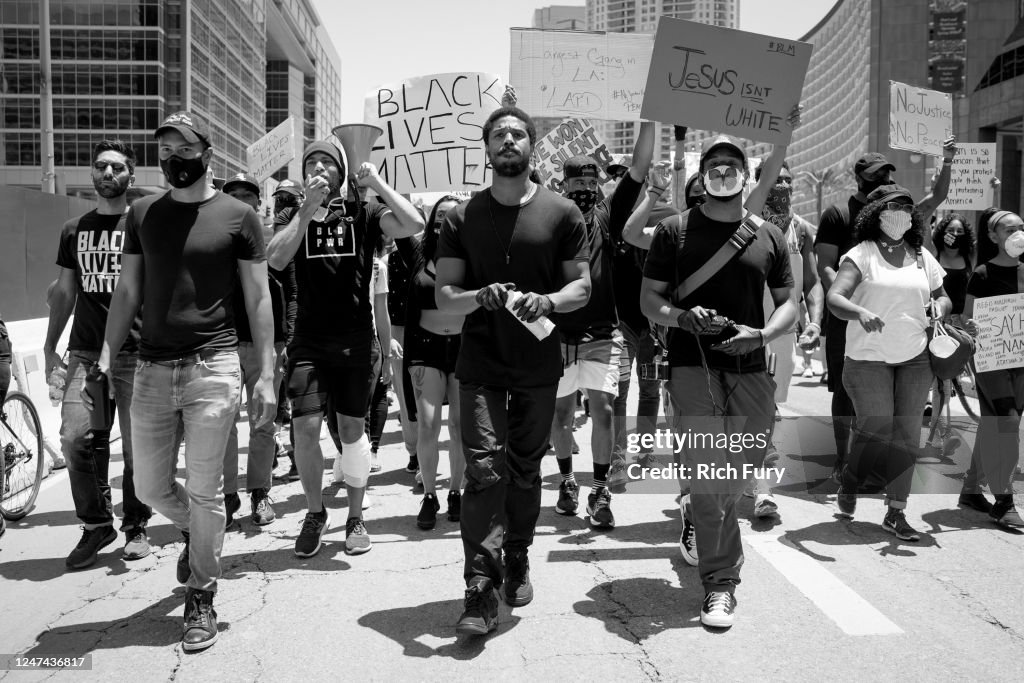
(740, 239)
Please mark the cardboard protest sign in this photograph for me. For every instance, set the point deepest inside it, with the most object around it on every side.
(970, 182)
(591, 74)
(272, 151)
(569, 138)
(433, 131)
(720, 79)
(1000, 321)
(919, 119)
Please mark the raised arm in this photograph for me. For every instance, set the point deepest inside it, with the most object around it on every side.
(636, 231)
(940, 189)
(403, 220)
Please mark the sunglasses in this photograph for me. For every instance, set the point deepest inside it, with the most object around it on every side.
(899, 206)
(101, 166)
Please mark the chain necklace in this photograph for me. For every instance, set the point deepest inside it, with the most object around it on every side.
(494, 225)
(892, 246)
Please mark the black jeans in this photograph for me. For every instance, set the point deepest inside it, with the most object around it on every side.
(505, 434)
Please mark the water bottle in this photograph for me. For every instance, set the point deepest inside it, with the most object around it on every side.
(102, 415)
(56, 381)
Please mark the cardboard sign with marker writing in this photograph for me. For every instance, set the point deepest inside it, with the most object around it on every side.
(433, 131)
(714, 78)
(919, 119)
(569, 138)
(272, 151)
(1000, 321)
(591, 74)
(970, 181)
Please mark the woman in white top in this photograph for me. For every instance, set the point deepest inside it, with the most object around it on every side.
(885, 284)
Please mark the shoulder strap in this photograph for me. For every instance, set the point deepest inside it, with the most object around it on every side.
(744, 235)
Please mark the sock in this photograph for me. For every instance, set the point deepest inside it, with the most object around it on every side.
(355, 462)
(600, 475)
(565, 469)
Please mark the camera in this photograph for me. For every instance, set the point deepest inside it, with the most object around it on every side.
(658, 370)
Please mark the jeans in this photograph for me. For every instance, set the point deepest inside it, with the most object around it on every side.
(640, 347)
(198, 393)
(888, 400)
(260, 462)
(504, 438)
(87, 451)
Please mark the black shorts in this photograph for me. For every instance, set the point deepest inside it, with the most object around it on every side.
(344, 379)
(439, 351)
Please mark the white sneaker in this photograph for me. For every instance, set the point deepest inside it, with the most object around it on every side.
(765, 506)
(339, 475)
(718, 610)
(375, 461)
(808, 371)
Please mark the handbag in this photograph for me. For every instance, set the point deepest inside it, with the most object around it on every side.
(950, 349)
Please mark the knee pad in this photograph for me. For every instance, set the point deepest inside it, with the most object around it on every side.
(355, 462)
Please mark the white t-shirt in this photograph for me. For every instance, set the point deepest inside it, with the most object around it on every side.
(899, 297)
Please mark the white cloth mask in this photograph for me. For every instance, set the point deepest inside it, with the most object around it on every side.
(895, 224)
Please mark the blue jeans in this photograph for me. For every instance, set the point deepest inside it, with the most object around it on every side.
(197, 394)
(87, 452)
(260, 462)
(888, 400)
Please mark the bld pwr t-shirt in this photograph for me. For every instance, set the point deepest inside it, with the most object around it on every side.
(536, 237)
(190, 253)
(91, 245)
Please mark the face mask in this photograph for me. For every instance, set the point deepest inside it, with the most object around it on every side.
(586, 200)
(866, 186)
(778, 203)
(1014, 244)
(724, 187)
(895, 224)
(183, 172)
(695, 200)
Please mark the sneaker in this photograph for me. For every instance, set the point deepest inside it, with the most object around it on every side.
(262, 513)
(718, 610)
(375, 465)
(1005, 514)
(414, 464)
(575, 446)
(367, 501)
(617, 477)
(518, 589)
(313, 526)
(808, 372)
(427, 517)
(339, 475)
(89, 546)
(847, 503)
(136, 544)
(975, 501)
(599, 507)
(688, 543)
(568, 498)
(232, 504)
(200, 621)
(184, 569)
(480, 614)
(293, 471)
(454, 506)
(59, 462)
(895, 522)
(765, 506)
(357, 539)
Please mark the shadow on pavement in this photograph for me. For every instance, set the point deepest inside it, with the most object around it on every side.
(956, 519)
(844, 532)
(638, 608)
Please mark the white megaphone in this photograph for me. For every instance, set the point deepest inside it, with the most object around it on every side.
(357, 139)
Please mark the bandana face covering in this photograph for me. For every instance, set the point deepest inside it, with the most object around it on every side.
(895, 224)
(586, 200)
(777, 207)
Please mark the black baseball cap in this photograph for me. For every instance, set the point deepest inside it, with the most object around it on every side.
(889, 193)
(581, 166)
(620, 164)
(188, 125)
(288, 186)
(242, 179)
(872, 162)
(722, 141)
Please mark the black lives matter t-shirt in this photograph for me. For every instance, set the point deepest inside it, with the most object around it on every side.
(736, 291)
(190, 253)
(543, 233)
(91, 245)
(333, 266)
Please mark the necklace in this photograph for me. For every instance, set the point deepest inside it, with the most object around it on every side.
(892, 246)
(515, 225)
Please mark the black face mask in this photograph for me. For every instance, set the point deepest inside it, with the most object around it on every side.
(183, 172)
(867, 186)
(586, 200)
(695, 200)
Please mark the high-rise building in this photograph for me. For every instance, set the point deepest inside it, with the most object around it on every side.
(120, 66)
(561, 18)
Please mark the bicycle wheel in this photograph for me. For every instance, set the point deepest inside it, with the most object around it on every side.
(21, 441)
(960, 393)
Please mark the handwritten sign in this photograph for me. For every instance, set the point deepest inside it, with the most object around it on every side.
(714, 78)
(569, 138)
(272, 151)
(579, 73)
(433, 131)
(1000, 322)
(970, 183)
(919, 119)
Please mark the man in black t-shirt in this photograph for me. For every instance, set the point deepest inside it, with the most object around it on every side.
(89, 259)
(719, 381)
(333, 352)
(522, 248)
(184, 254)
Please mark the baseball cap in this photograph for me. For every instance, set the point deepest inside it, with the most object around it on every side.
(581, 166)
(186, 124)
(620, 164)
(289, 186)
(871, 162)
(889, 193)
(722, 141)
(243, 179)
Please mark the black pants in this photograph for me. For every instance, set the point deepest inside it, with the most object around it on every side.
(842, 405)
(505, 434)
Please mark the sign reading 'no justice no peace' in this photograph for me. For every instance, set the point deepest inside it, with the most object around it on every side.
(919, 119)
(720, 79)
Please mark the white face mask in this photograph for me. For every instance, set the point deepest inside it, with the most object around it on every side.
(895, 224)
(727, 183)
(1014, 244)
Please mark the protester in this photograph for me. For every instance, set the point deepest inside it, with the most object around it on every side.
(885, 283)
(518, 240)
(333, 349)
(398, 291)
(718, 376)
(89, 263)
(1000, 392)
(188, 376)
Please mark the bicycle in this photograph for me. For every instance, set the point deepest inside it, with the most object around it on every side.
(21, 443)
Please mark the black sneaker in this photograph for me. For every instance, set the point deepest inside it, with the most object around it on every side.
(575, 446)
(518, 589)
(89, 546)
(414, 464)
(262, 512)
(568, 498)
(427, 517)
(293, 471)
(313, 527)
(718, 610)
(232, 504)
(895, 522)
(846, 503)
(454, 506)
(1005, 514)
(480, 615)
(184, 570)
(136, 545)
(599, 507)
(688, 537)
(200, 621)
(975, 501)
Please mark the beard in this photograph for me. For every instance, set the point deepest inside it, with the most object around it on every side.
(509, 166)
(110, 189)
